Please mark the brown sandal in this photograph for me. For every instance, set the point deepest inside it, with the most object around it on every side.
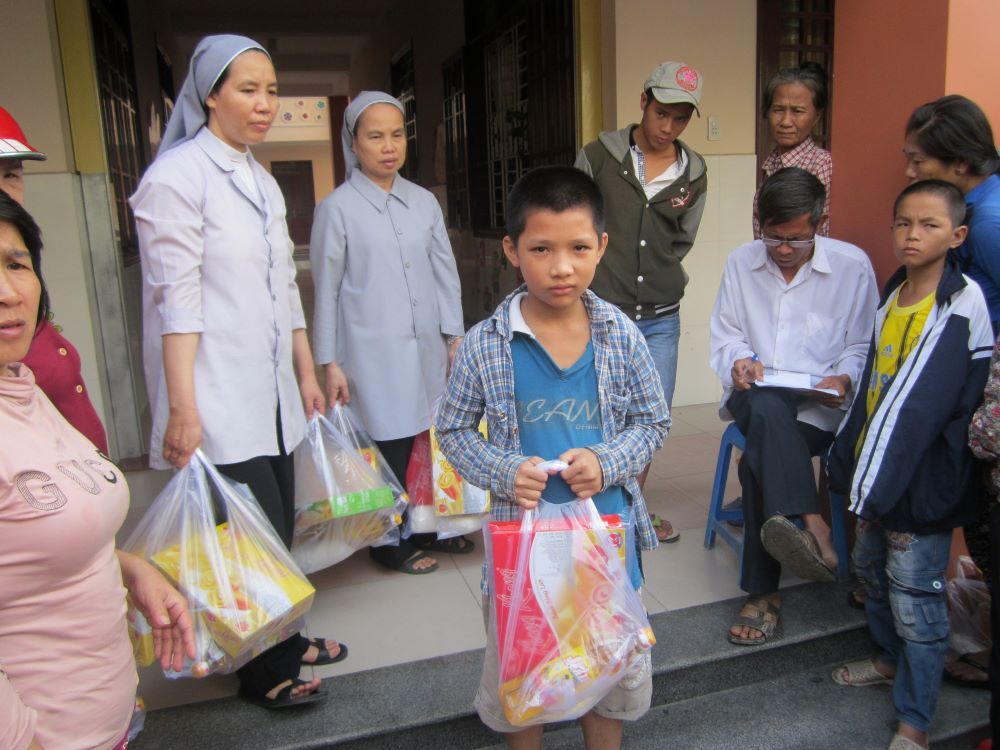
(796, 549)
(761, 614)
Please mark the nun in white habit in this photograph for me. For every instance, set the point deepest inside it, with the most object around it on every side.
(227, 360)
(388, 310)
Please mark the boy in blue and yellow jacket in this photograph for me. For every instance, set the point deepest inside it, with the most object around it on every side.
(901, 453)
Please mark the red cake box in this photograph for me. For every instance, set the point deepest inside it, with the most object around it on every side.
(568, 619)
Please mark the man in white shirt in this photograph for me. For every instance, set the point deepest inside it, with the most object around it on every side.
(791, 301)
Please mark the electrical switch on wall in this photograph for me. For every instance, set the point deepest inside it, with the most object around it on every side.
(714, 133)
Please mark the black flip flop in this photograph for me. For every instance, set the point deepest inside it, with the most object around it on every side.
(451, 546)
(975, 684)
(323, 657)
(284, 698)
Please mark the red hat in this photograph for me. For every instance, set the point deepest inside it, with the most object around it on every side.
(13, 143)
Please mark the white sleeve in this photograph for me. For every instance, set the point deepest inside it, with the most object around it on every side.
(727, 339)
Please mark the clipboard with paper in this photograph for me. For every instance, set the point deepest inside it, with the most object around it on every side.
(800, 382)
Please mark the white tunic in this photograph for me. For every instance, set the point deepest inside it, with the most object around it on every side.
(387, 296)
(217, 261)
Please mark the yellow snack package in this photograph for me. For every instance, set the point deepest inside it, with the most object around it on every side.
(254, 601)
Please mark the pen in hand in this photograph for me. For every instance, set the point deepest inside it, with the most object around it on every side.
(747, 369)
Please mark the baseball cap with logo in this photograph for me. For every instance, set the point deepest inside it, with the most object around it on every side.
(675, 83)
(13, 143)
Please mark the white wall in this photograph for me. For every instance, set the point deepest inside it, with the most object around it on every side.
(718, 39)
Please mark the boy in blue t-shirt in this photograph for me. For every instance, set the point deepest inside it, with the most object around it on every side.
(559, 374)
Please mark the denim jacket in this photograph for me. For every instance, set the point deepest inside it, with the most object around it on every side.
(634, 415)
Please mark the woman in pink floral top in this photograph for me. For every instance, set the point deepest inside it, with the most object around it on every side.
(794, 101)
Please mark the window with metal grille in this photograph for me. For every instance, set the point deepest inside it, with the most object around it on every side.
(789, 33)
(403, 77)
(520, 101)
(456, 144)
(119, 112)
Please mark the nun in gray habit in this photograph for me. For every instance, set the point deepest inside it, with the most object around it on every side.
(388, 299)
(218, 276)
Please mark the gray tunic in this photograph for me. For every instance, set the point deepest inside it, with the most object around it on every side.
(387, 296)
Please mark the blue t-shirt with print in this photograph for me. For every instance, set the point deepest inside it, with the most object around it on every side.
(559, 409)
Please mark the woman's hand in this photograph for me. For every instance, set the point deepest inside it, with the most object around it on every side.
(584, 475)
(182, 436)
(336, 385)
(529, 481)
(312, 396)
(164, 609)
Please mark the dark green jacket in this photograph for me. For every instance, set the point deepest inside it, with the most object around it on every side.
(647, 240)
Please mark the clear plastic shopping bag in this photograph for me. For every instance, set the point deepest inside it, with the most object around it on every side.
(569, 625)
(210, 538)
(346, 497)
(968, 609)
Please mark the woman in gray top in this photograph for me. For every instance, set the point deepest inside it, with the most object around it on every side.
(388, 302)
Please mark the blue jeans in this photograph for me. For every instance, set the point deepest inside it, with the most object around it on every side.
(904, 577)
(662, 336)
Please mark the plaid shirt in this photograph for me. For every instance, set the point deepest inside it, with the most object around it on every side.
(634, 415)
(809, 157)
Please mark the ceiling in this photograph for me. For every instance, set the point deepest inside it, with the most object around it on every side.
(301, 35)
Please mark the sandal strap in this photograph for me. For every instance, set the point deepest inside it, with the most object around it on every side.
(760, 614)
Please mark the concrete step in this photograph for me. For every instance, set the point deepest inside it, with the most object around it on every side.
(428, 703)
(804, 709)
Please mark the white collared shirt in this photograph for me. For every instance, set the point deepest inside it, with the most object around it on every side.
(819, 323)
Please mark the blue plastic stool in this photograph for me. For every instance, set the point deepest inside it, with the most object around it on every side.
(717, 517)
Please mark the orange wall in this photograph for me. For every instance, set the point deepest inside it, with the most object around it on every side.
(889, 58)
(971, 70)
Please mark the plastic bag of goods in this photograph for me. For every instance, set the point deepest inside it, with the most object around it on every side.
(569, 624)
(345, 496)
(244, 591)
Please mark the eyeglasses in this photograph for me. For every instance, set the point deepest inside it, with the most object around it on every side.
(774, 243)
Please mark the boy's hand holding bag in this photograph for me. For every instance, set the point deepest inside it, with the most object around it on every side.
(346, 497)
(569, 625)
(244, 591)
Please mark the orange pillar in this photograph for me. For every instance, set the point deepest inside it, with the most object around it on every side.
(889, 57)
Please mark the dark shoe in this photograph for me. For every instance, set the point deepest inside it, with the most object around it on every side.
(967, 672)
(284, 698)
(323, 657)
(856, 598)
(456, 545)
(407, 565)
(735, 504)
(796, 549)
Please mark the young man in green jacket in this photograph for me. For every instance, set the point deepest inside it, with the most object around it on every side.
(654, 191)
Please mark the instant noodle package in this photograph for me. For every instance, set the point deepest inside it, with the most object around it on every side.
(568, 621)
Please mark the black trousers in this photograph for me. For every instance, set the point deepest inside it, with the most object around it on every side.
(776, 473)
(397, 454)
(271, 479)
